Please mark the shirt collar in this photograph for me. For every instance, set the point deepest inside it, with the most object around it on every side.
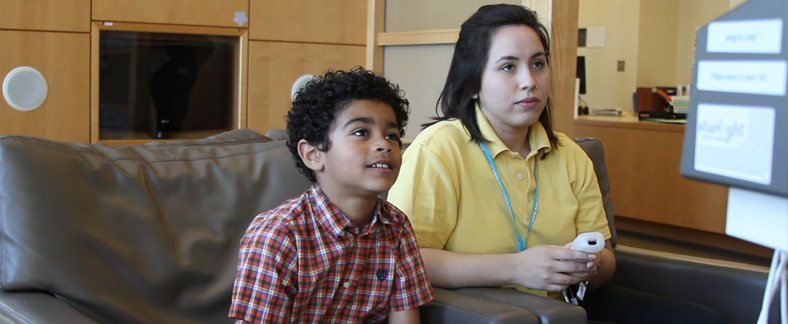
(334, 221)
(538, 136)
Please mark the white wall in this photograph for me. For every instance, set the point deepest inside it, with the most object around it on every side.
(655, 38)
(421, 70)
(693, 14)
(605, 86)
(657, 43)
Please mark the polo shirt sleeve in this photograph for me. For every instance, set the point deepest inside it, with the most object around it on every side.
(266, 273)
(426, 192)
(411, 288)
(590, 212)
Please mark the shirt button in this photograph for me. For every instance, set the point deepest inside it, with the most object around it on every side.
(520, 176)
(346, 284)
(342, 233)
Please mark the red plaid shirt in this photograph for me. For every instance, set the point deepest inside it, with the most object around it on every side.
(305, 262)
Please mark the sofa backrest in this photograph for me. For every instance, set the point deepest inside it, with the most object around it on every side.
(139, 233)
(595, 151)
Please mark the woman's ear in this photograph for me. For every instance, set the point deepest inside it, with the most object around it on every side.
(310, 155)
(475, 96)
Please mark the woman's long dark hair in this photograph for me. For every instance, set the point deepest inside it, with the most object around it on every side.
(470, 56)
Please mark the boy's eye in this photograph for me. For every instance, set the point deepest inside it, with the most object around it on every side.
(360, 132)
(393, 136)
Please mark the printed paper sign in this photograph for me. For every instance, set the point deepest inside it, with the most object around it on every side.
(753, 77)
(757, 217)
(735, 141)
(745, 36)
(595, 37)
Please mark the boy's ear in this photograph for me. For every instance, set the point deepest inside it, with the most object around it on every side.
(311, 156)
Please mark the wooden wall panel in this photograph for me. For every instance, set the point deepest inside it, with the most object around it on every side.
(64, 60)
(181, 12)
(376, 24)
(329, 22)
(563, 63)
(645, 183)
(51, 15)
(274, 66)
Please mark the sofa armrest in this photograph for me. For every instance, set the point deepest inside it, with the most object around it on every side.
(35, 308)
(731, 288)
(548, 310)
(451, 307)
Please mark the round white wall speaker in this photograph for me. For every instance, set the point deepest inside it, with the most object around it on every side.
(25, 88)
(300, 83)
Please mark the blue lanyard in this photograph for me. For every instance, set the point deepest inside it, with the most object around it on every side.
(521, 241)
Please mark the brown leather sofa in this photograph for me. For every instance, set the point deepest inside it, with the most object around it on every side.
(149, 233)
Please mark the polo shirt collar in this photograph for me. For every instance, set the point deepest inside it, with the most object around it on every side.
(334, 221)
(538, 136)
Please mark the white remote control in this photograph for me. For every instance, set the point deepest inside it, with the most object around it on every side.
(591, 242)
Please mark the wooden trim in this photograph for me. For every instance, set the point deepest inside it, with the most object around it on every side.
(174, 29)
(693, 259)
(376, 23)
(643, 125)
(683, 234)
(95, 40)
(426, 37)
(240, 85)
(563, 64)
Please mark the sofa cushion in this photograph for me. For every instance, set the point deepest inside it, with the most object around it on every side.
(138, 233)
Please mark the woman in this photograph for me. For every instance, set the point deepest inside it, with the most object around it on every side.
(495, 195)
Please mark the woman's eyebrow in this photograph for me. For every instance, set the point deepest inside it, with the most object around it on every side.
(538, 54)
(508, 58)
(515, 58)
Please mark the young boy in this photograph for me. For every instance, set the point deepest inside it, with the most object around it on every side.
(337, 253)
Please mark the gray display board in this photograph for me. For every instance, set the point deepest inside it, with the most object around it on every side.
(737, 123)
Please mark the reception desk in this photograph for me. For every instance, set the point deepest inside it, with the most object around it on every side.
(643, 161)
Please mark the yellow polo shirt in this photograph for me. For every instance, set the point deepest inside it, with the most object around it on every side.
(448, 190)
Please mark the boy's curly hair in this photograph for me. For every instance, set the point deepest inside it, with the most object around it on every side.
(321, 100)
